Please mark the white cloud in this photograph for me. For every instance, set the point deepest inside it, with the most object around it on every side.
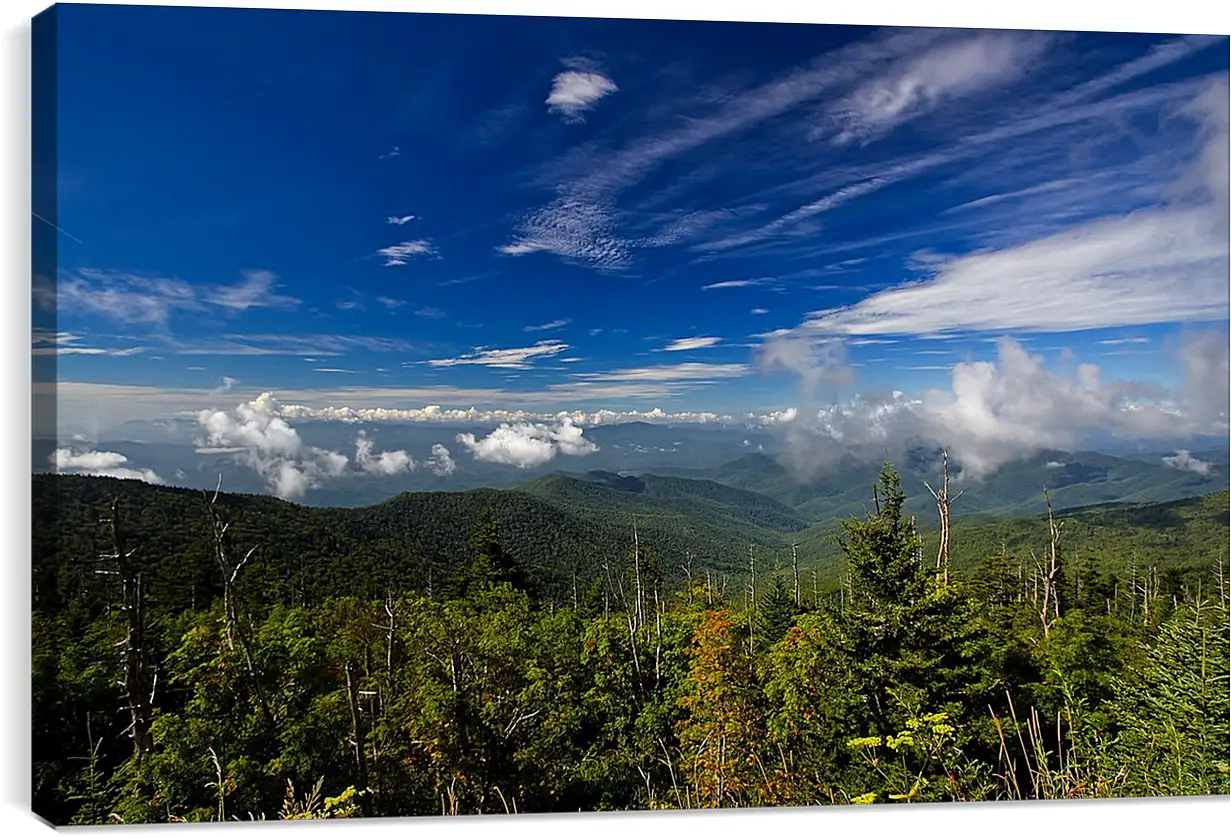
(547, 327)
(526, 445)
(441, 463)
(48, 342)
(581, 230)
(1206, 390)
(100, 464)
(1184, 461)
(758, 311)
(784, 223)
(573, 92)
(672, 372)
(255, 290)
(129, 298)
(442, 415)
(996, 412)
(431, 313)
(515, 359)
(1153, 266)
(685, 344)
(818, 363)
(384, 463)
(1162, 264)
(739, 283)
(397, 254)
(915, 85)
(311, 345)
(390, 303)
(400, 219)
(267, 444)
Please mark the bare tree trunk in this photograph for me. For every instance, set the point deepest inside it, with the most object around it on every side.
(943, 502)
(132, 649)
(637, 572)
(359, 735)
(391, 610)
(230, 572)
(795, 571)
(752, 596)
(1055, 573)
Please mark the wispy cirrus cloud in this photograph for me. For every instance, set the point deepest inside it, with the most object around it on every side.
(582, 224)
(1151, 267)
(46, 342)
(399, 254)
(687, 344)
(741, 283)
(255, 290)
(910, 87)
(549, 326)
(515, 359)
(307, 344)
(1162, 263)
(399, 220)
(135, 299)
(390, 303)
(671, 372)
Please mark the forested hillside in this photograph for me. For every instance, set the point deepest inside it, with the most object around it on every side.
(213, 657)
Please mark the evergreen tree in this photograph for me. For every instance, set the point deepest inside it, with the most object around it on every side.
(911, 640)
(775, 612)
(490, 563)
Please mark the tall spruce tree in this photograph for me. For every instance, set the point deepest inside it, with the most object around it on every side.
(911, 640)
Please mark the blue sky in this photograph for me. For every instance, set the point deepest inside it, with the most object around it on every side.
(399, 210)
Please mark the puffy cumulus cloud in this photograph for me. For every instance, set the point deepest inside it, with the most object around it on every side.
(1184, 461)
(577, 90)
(100, 464)
(384, 463)
(266, 443)
(998, 411)
(441, 463)
(526, 445)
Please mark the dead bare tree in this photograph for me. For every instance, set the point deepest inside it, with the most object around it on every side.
(1051, 575)
(230, 569)
(358, 732)
(138, 697)
(391, 610)
(752, 594)
(637, 573)
(943, 501)
(795, 571)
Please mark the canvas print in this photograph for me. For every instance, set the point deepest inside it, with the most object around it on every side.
(448, 415)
